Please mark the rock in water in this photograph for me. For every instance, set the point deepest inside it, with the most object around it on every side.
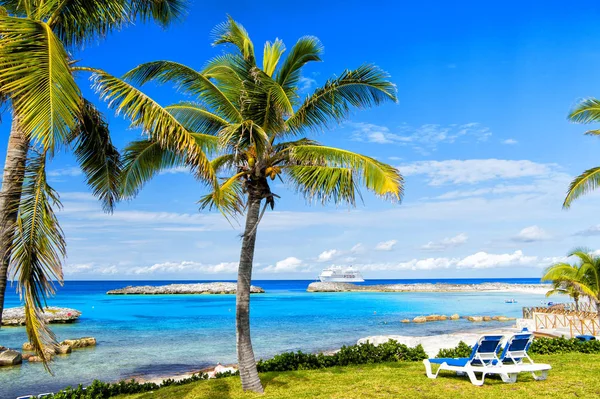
(52, 314)
(455, 316)
(202, 288)
(79, 342)
(420, 319)
(475, 318)
(9, 357)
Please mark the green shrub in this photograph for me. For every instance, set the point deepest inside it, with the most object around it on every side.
(366, 353)
(462, 350)
(548, 346)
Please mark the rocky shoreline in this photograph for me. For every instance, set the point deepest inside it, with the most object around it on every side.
(173, 289)
(428, 287)
(52, 314)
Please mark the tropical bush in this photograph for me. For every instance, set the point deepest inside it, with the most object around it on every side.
(462, 350)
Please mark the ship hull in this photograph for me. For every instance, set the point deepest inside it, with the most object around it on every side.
(341, 280)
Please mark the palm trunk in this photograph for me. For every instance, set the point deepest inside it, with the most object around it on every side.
(10, 195)
(246, 360)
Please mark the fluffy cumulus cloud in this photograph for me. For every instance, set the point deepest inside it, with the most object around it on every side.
(532, 234)
(358, 249)
(479, 260)
(420, 138)
(287, 265)
(510, 142)
(448, 242)
(473, 171)
(326, 256)
(187, 266)
(386, 245)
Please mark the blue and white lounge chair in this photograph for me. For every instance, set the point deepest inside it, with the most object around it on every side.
(483, 356)
(484, 360)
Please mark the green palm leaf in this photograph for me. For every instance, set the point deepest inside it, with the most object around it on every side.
(384, 180)
(587, 111)
(271, 55)
(162, 11)
(324, 183)
(35, 73)
(363, 87)
(227, 197)
(37, 252)
(307, 49)
(156, 121)
(190, 82)
(196, 118)
(98, 157)
(230, 32)
(583, 184)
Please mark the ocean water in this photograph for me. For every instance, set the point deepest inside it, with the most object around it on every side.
(158, 335)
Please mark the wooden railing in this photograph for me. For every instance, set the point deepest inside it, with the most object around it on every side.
(584, 310)
(584, 327)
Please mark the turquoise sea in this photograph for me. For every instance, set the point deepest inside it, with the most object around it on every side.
(154, 336)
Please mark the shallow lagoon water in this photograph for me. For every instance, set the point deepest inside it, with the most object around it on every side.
(158, 335)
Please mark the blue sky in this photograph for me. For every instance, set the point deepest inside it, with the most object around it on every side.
(480, 134)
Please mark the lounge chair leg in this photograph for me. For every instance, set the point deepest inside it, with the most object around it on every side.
(510, 378)
(428, 369)
(543, 375)
(474, 379)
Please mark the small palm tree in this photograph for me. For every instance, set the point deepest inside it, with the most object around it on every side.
(582, 278)
(251, 121)
(564, 287)
(587, 111)
(37, 81)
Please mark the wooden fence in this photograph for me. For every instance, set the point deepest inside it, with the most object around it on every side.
(584, 310)
(578, 323)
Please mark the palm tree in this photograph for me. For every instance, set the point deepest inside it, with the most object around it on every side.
(582, 277)
(251, 121)
(37, 80)
(587, 111)
(564, 287)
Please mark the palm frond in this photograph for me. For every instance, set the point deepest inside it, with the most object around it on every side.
(324, 183)
(156, 121)
(227, 197)
(35, 73)
(77, 22)
(587, 111)
(98, 157)
(164, 12)
(230, 32)
(583, 184)
(196, 118)
(383, 179)
(363, 87)
(190, 82)
(226, 161)
(242, 136)
(142, 160)
(37, 252)
(271, 55)
(306, 49)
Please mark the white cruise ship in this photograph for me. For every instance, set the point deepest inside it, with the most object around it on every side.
(337, 274)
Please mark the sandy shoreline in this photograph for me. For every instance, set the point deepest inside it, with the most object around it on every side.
(428, 287)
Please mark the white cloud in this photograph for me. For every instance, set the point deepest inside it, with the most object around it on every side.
(358, 249)
(287, 265)
(175, 170)
(328, 255)
(531, 234)
(448, 242)
(428, 135)
(473, 171)
(509, 141)
(305, 84)
(386, 245)
(108, 270)
(479, 260)
(187, 266)
(72, 171)
(590, 231)
(483, 260)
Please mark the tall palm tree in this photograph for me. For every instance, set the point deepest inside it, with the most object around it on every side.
(249, 120)
(582, 277)
(37, 81)
(587, 111)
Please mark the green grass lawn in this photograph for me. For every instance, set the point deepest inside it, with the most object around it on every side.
(573, 375)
